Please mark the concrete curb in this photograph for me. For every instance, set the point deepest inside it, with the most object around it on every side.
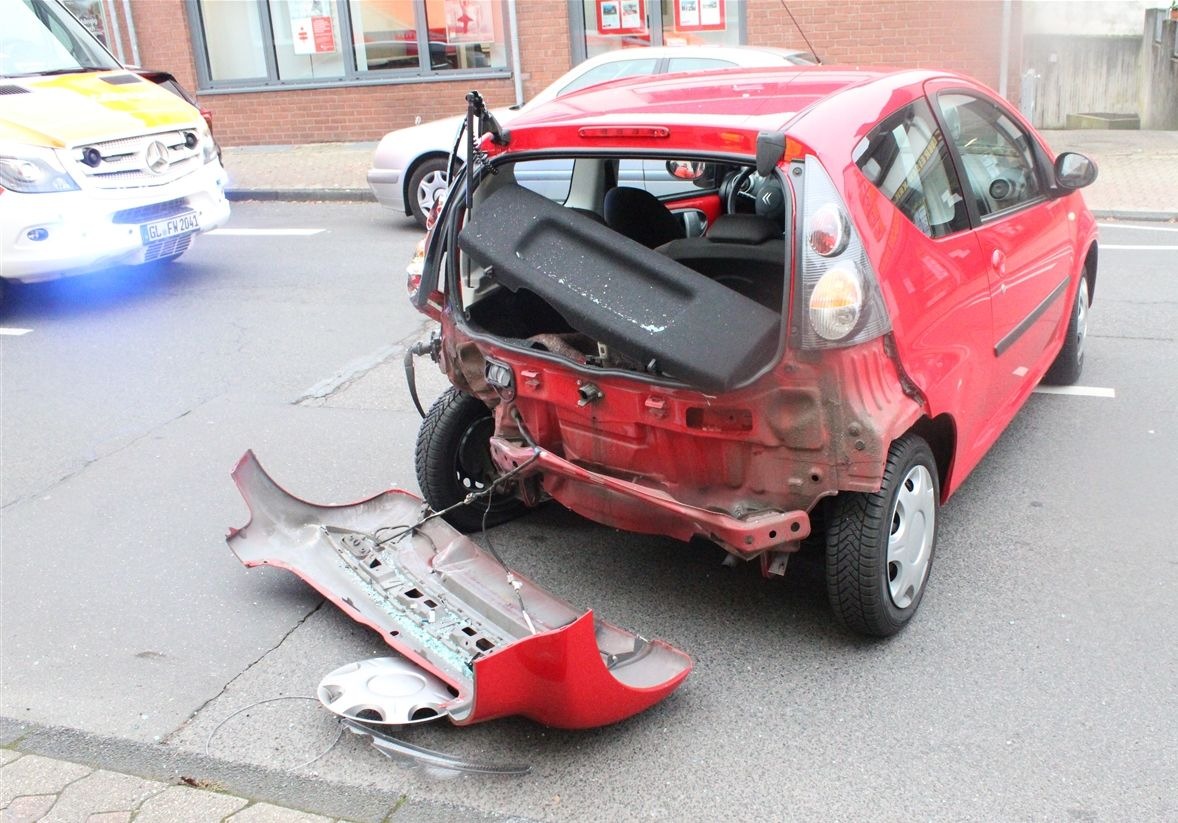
(293, 790)
(302, 195)
(1127, 214)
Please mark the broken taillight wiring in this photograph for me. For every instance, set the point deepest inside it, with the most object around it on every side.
(399, 532)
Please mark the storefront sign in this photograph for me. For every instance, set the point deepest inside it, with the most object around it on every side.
(312, 35)
(622, 16)
(312, 29)
(699, 15)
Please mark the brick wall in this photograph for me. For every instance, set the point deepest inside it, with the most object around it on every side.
(959, 35)
(964, 35)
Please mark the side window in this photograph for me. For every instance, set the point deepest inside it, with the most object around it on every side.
(906, 158)
(996, 154)
(551, 178)
(611, 71)
(697, 64)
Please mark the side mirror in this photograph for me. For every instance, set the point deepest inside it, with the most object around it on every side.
(686, 169)
(1074, 171)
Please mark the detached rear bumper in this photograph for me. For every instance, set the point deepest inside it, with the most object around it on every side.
(630, 506)
(436, 598)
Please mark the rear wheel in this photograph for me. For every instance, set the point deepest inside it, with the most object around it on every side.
(425, 184)
(879, 545)
(453, 459)
(1069, 363)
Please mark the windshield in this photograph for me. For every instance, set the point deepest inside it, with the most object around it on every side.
(40, 37)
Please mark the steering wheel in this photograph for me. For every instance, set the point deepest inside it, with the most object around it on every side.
(742, 191)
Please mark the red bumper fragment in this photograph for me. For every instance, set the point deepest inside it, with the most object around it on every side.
(503, 644)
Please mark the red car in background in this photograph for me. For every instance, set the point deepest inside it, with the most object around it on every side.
(856, 285)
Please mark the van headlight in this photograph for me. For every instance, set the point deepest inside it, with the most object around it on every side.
(207, 145)
(33, 170)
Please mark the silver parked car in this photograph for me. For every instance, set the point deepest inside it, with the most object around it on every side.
(409, 167)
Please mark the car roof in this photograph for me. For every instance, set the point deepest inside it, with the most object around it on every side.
(724, 110)
(741, 55)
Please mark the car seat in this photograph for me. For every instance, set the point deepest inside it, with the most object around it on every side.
(745, 252)
(641, 216)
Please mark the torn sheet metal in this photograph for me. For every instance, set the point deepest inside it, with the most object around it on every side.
(501, 643)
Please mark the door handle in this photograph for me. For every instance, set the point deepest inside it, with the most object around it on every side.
(998, 261)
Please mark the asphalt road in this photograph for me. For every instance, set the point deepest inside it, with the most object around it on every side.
(1037, 683)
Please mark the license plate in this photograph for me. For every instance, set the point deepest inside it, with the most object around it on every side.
(185, 223)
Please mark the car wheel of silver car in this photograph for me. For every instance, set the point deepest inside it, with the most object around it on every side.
(879, 545)
(425, 184)
(1069, 363)
(453, 459)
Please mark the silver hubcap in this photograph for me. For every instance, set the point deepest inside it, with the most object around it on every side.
(910, 544)
(1081, 318)
(431, 185)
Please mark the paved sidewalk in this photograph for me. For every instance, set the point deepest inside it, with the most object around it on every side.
(1137, 170)
(36, 788)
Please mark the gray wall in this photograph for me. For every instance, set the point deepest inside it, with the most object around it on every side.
(1159, 86)
(1082, 73)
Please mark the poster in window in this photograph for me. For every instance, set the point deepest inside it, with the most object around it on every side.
(699, 15)
(621, 16)
(469, 21)
(92, 15)
(312, 30)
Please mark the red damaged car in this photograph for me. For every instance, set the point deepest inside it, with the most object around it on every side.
(751, 306)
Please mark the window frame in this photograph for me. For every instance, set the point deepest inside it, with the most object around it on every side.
(654, 10)
(351, 75)
(952, 168)
(1039, 158)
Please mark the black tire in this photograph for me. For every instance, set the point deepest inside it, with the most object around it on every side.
(453, 459)
(1069, 363)
(872, 587)
(424, 183)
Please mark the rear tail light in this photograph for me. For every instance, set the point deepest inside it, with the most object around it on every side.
(840, 290)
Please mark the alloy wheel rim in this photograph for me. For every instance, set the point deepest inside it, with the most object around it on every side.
(1081, 318)
(910, 541)
(431, 185)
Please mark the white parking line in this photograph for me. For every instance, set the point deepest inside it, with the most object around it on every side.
(1078, 391)
(1138, 248)
(1139, 228)
(11, 332)
(266, 232)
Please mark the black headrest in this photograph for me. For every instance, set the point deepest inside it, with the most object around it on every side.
(746, 229)
(641, 216)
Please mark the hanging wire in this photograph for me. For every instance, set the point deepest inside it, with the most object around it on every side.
(255, 704)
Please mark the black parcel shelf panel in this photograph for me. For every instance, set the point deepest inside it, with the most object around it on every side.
(619, 292)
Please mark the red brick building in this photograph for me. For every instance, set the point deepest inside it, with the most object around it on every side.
(299, 71)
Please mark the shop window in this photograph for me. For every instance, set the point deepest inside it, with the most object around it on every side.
(617, 24)
(233, 38)
(249, 43)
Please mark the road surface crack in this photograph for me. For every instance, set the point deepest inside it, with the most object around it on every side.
(224, 689)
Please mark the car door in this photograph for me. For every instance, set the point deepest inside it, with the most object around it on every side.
(935, 275)
(1024, 236)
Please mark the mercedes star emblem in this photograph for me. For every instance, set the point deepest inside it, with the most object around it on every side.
(156, 156)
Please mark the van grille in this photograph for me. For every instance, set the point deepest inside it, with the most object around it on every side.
(167, 247)
(122, 164)
(156, 211)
